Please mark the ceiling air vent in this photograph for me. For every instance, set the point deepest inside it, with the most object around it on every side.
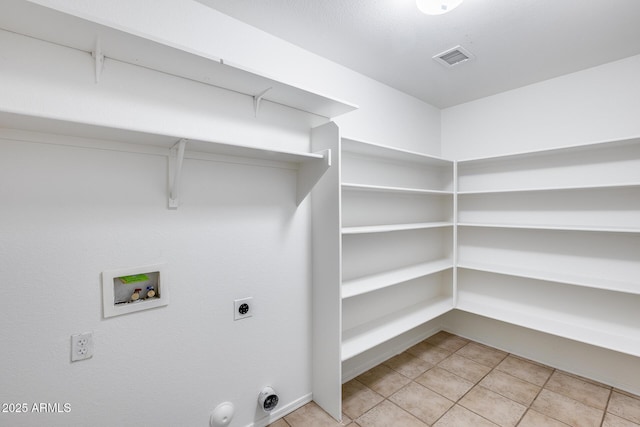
(454, 56)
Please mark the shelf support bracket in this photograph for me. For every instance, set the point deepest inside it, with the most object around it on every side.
(309, 173)
(257, 99)
(176, 156)
(98, 57)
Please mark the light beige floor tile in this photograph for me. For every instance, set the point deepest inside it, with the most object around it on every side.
(280, 423)
(579, 389)
(346, 420)
(387, 414)
(525, 370)
(482, 354)
(567, 410)
(421, 402)
(625, 406)
(383, 380)
(465, 368)
(408, 365)
(462, 417)
(311, 415)
(536, 419)
(429, 353)
(445, 383)
(511, 387)
(492, 406)
(447, 341)
(358, 399)
(611, 420)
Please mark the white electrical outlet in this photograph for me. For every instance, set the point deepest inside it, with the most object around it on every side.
(81, 346)
(242, 308)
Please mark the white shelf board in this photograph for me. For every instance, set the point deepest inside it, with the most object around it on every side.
(386, 189)
(553, 227)
(567, 279)
(552, 151)
(394, 227)
(580, 329)
(567, 188)
(362, 338)
(82, 130)
(125, 45)
(392, 153)
(362, 285)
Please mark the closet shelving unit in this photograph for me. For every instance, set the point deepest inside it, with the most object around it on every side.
(55, 29)
(550, 240)
(383, 251)
(397, 242)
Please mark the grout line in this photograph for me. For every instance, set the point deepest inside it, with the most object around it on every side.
(606, 407)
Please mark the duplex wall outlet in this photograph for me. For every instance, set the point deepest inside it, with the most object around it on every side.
(242, 308)
(81, 346)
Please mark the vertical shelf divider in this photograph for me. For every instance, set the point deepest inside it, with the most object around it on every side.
(326, 371)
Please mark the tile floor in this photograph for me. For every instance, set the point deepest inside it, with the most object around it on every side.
(448, 381)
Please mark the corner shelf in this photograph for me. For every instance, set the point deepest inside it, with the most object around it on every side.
(553, 227)
(365, 337)
(369, 149)
(549, 276)
(107, 42)
(373, 282)
(399, 190)
(394, 227)
(542, 306)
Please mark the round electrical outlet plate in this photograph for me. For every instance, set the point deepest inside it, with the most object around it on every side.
(222, 415)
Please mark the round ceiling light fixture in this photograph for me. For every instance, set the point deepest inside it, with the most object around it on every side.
(437, 7)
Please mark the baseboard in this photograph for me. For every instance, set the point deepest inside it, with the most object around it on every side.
(281, 412)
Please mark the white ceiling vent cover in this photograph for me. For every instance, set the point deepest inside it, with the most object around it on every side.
(454, 56)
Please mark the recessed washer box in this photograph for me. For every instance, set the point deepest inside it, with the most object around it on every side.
(133, 289)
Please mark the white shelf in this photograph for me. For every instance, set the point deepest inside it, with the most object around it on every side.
(362, 338)
(387, 189)
(362, 285)
(568, 279)
(394, 227)
(569, 149)
(392, 153)
(124, 45)
(553, 227)
(310, 166)
(541, 189)
(580, 330)
(607, 164)
(597, 259)
(97, 133)
(594, 316)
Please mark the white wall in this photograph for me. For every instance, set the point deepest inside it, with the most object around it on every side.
(70, 212)
(597, 104)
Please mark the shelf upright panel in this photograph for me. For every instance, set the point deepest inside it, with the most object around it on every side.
(327, 275)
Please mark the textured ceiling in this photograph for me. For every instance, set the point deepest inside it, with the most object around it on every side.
(516, 42)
